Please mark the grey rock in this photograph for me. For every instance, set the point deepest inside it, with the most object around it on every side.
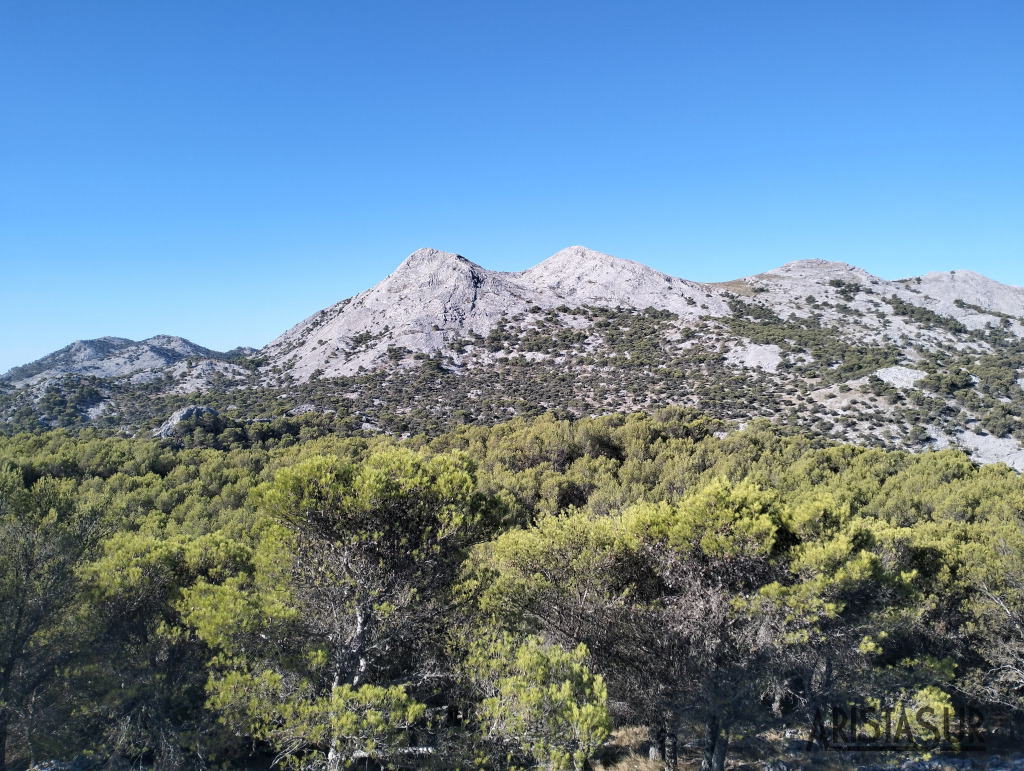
(167, 427)
(118, 357)
(434, 297)
(78, 763)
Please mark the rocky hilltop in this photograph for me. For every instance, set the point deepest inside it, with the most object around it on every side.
(117, 357)
(923, 362)
(435, 298)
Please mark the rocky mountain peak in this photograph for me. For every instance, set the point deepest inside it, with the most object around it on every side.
(426, 260)
(428, 271)
(174, 343)
(581, 276)
(578, 263)
(820, 270)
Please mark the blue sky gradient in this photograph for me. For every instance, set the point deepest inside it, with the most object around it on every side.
(222, 169)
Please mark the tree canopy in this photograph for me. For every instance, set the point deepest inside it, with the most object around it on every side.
(522, 595)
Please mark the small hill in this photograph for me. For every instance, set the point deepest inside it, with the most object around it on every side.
(111, 357)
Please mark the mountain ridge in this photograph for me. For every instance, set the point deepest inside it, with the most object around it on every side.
(449, 291)
(564, 276)
(110, 356)
(928, 361)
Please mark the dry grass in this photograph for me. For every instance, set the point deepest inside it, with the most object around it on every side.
(626, 753)
(630, 737)
(631, 762)
(737, 286)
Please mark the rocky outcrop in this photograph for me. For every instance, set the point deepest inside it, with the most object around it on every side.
(429, 301)
(166, 429)
(579, 276)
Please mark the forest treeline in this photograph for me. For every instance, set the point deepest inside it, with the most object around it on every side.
(496, 597)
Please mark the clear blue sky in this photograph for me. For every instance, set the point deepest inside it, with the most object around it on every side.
(222, 169)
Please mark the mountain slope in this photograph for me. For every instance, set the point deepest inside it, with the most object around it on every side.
(431, 297)
(437, 302)
(435, 298)
(967, 290)
(824, 347)
(74, 385)
(579, 276)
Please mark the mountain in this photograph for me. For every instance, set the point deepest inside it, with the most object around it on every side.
(117, 357)
(75, 384)
(824, 347)
(435, 298)
(429, 298)
(970, 290)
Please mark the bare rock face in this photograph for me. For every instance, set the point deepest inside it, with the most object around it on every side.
(430, 299)
(167, 427)
(433, 298)
(967, 295)
(579, 276)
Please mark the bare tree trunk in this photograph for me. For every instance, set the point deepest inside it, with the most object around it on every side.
(707, 761)
(6, 712)
(780, 693)
(333, 753)
(29, 722)
(656, 751)
(354, 650)
(663, 748)
(671, 752)
(3, 740)
(721, 747)
(358, 643)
